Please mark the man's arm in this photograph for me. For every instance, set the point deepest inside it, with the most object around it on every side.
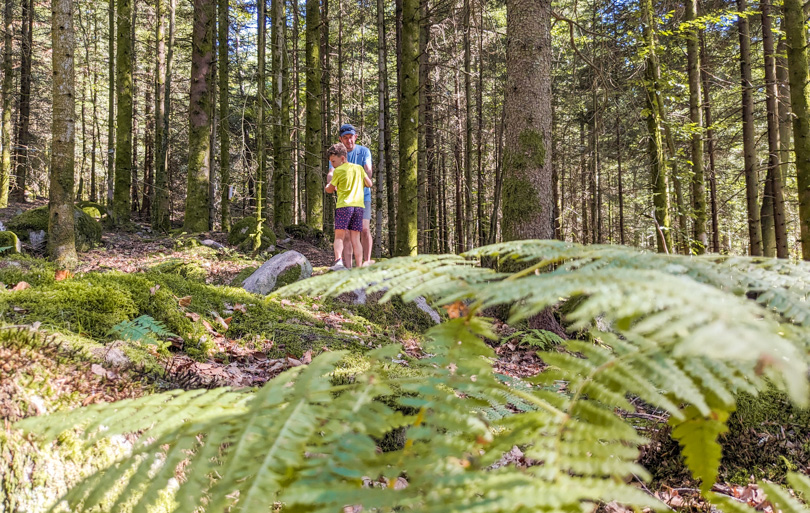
(368, 175)
(330, 188)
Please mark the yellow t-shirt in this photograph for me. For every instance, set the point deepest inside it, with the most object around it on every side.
(348, 178)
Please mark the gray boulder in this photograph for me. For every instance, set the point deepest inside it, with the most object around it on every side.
(282, 269)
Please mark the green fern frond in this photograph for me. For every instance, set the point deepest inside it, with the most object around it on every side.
(143, 329)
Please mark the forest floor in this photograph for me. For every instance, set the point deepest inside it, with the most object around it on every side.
(54, 354)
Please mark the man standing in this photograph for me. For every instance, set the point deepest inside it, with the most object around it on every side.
(361, 156)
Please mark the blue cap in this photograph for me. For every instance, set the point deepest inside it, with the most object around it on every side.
(347, 129)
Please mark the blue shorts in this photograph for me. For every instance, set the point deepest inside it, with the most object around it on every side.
(367, 211)
(349, 218)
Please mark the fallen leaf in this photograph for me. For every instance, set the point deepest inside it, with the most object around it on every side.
(21, 286)
(227, 321)
(194, 316)
(294, 362)
(456, 310)
(63, 274)
(307, 358)
(153, 290)
(184, 301)
(240, 307)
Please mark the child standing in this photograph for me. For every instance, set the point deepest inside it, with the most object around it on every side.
(348, 181)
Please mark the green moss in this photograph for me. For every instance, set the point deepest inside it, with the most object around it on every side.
(77, 306)
(291, 275)
(190, 270)
(35, 271)
(93, 209)
(519, 192)
(395, 315)
(242, 229)
(88, 230)
(10, 241)
(243, 275)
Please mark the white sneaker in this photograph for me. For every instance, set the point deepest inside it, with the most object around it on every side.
(338, 266)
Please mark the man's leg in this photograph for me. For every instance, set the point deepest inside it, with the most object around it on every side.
(347, 249)
(365, 236)
(358, 247)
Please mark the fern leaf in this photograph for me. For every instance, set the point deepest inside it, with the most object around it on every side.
(698, 438)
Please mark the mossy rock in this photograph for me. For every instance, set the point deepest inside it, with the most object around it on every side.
(184, 240)
(309, 234)
(239, 235)
(88, 230)
(190, 270)
(11, 242)
(243, 275)
(395, 314)
(93, 209)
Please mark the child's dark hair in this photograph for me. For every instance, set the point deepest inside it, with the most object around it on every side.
(336, 149)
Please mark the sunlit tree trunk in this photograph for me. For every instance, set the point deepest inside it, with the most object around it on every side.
(123, 135)
(314, 127)
(160, 202)
(749, 144)
(8, 84)
(406, 243)
(701, 241)
(24, 111)
(785, 128)
(61, 236)
(282, 174)
(710, 146)
(658, 165)
(224, 113)
(200, 116)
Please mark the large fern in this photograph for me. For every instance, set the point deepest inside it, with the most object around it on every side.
(682, 335)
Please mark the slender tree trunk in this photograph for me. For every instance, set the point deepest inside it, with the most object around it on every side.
(8, 84)
(620, 184)
(583, 180)
(658, 163)
(200, 116)
(161, 215)
(111, 115)
(24, 110)
(123, 136)
(469, 222)
(95, 128)
(314, 126)
(784, 131)
(496, 200)
(282, 177)
(422, 214)
(710, 145)
(61, 237)
(777, 234)
(749, 148)
(406, 243)
(382, 128)
(329, 200)
(701, 241)
(223, 26)
(134, 203)
(390, 178)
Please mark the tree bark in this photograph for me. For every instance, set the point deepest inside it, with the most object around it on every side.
(710, 146)
(61, 236)
(785, 128)
(406, 243)
(701, 240)
(382, 128)
(111, 117)
(749, 144)
(200, 114)
(223, 25)
(314, 125)
(658, 164)
(24, 110)
(468, 131)
(8, 84)
(123, 135)
(161, 214)
(282, 174)
(527, 209)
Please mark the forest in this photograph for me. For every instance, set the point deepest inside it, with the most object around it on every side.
(588, 288)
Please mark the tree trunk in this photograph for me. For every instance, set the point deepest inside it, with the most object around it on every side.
(701, 240)
(469, 222)
(223, 25)
(282, 176)
(111, 117)
(200, 114)
(527, 208)
(161, 215)
(658, 165)
(123, 134)
(749, 148)
(382, 129)
(61, 237)
(768, 211)
(24, 110)
(784, 131)
(134, 203)
(314, 126)
(406, 243)
(620, 184)
(422, 214)
(710, 145)
(8, 84)
(96, 132)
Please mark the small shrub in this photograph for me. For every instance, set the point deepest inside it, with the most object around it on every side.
(242, 229)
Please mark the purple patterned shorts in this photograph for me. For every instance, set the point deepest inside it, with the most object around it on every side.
(349, 218)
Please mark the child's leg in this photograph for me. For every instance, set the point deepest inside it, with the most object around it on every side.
(347, 250)
(339, 234)
(357, 247)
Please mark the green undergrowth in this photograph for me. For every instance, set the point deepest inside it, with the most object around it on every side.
(91, 304)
